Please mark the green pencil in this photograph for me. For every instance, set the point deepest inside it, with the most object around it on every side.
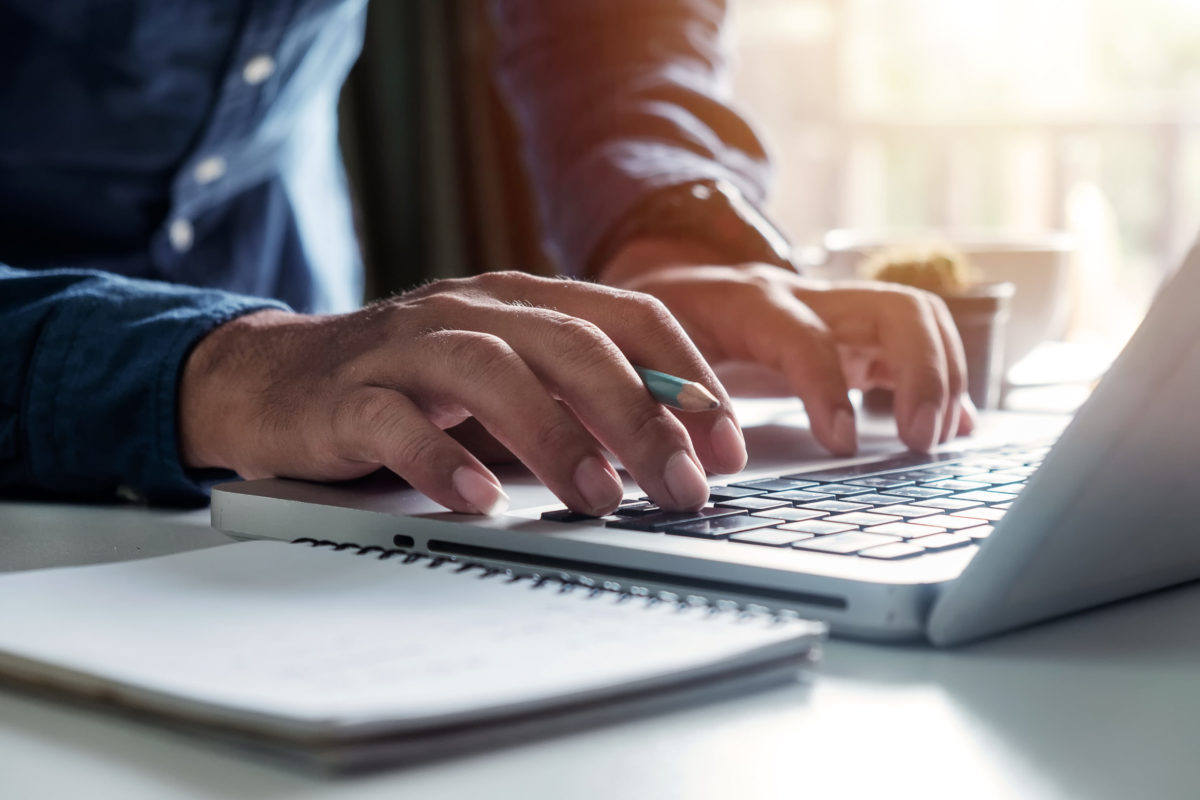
(677, 392)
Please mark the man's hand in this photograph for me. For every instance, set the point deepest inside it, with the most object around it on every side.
(768, 331)
(542, 364)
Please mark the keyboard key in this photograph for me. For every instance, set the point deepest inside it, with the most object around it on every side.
(717, 493)
(1009, 476)
(917, 475)
(982, 512)
(893, 551)
(718, 527)
(769, 537)
(882, 482)
(978, 534)
(955, 485)
(773, 484)
(949, 521)
(753, 503)
(789, 514)
(799, 496)
(907, 530)
(947, 504)
(839, 489)
(566, 515)
(863, 518)
(1002, 506)
(982, 497)
(846, 543)
(906, 511)
(980, 477)
(1009, 489)
(943, 541)
(652, 522)
(879, 499)
(638, 510)
(918, 492)
(817, 527)
(953, 470)
(834, 506)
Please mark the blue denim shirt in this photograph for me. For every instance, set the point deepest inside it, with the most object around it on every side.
(168, 165)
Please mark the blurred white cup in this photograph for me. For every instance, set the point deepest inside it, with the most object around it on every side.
(1038, 265)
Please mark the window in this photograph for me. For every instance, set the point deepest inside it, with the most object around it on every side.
(1013, 116)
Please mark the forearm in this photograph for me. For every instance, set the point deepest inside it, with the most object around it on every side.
(618, 99)
(89, 373)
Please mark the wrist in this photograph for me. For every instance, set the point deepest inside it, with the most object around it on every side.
(645, 255)
(218, 379)
(703, 221)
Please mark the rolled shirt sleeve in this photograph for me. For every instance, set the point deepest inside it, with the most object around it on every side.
(90, 371)
(617, 99)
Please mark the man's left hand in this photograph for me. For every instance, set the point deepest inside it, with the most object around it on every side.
(769, 331)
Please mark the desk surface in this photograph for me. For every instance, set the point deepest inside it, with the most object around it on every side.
(1102, 705)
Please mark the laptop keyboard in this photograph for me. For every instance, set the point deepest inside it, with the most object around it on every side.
(901, 507)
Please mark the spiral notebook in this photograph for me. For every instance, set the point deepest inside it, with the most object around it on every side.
(348, 658)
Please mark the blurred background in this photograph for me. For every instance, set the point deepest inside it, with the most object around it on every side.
(1005, 116)
(1015, 121)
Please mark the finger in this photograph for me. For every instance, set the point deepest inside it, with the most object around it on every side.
(742, 315)
(482, 373)
(645, 331)
(579, 363)
(788, 337)
(382, 426)
(969, 417)
(909, 334)
(956, 368)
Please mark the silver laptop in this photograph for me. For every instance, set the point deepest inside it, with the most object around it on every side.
(973, 540)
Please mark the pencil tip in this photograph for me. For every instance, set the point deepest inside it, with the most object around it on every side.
(694, 397)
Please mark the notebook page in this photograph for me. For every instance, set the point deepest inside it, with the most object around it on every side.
(328, 641)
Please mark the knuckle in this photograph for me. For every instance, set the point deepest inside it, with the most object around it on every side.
(413, 448)
(481, 357)
(363, 419)
(578, 340)
(556, 434)
(647, 423)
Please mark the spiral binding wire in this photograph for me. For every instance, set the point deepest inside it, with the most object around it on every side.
(567, 584)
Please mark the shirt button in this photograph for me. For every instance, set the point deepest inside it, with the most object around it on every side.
(258, 69)
(180, 233)
(209, 169)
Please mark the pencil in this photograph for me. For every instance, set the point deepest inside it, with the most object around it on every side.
(677, 392)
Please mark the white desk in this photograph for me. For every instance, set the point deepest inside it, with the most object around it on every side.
(1104, 705)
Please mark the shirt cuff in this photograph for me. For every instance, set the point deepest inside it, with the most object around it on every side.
(103, 389)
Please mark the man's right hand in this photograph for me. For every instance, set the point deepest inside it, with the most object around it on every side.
(543, 364)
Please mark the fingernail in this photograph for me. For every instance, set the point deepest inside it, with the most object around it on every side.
(601, 491)
(924, 426)
(845, 432)
(728, 445)
(479, 492)
(685, 482)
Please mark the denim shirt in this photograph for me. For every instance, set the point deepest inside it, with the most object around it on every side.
(166, 166)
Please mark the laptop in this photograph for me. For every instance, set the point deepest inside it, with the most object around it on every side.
(975, 539)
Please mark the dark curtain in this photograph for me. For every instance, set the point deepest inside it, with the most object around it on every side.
(431, 151)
